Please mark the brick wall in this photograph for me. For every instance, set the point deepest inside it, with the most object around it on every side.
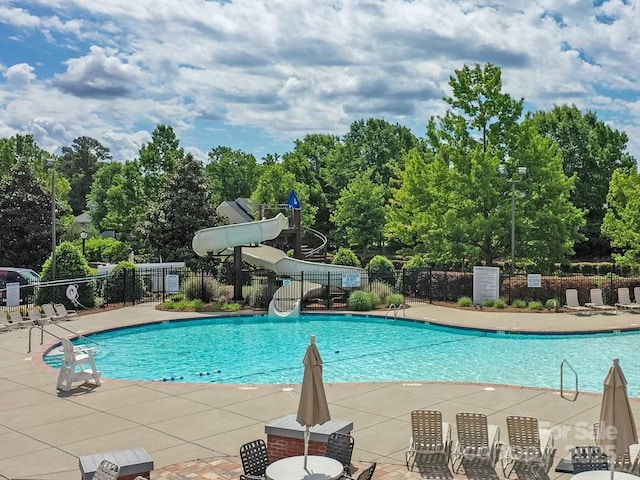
(283, 447)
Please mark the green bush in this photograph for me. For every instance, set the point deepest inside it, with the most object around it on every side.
(519, 303)
(500, 304)
(465, 302)
(381, 268)
(535, 305)
(489, 303)
(198, 305)
(206, 289)
(120, 286)
(361, 301)
(551, 304)
(70, 264)
(256, 295)
(110, 250)
(395, 299)
(417, 261)
(382, 289)
(346, 256)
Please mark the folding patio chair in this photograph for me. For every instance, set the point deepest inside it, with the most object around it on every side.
(255, 460)
(597, 301)
(477, 440)
(573, 305)
(529, 446)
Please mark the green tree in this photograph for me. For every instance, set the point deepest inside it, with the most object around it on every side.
(25, 216)
(79, 163)
(622, 221)
(185, 206)
(158, 159)
(452, 203)
(97, 199)
(70, 264)
(591, 150)
(125, 201)
(360, 212)
(234, 173)
(22, 148)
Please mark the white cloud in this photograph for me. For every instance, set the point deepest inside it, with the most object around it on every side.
(290, 67)
(20, 74)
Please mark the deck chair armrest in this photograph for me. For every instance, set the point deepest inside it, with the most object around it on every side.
(494, 434)
(546, 441)
(446, 434)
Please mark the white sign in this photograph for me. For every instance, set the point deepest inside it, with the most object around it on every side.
(172, 282)
(486, 284)
(13, 294)
(350, 280)
(534, 280)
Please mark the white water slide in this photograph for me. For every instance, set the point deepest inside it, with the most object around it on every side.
(286, 300)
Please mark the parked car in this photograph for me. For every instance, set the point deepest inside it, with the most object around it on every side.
(27, 279)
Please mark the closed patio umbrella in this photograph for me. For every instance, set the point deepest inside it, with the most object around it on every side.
(617, 428)
(313, 408)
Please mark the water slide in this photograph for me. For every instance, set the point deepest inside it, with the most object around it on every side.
(286, 300)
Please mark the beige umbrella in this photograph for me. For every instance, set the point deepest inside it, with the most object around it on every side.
(313, 408)
(617, 429)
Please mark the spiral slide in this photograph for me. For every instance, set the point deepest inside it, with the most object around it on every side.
(286, 300)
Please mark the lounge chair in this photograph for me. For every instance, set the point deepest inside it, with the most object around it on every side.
(18, 321)
(50, 312)
(624, 301)
(429, 436)
(529, 446)
(597, 301)
(255, 460)
(573, 305)
(636, 294)
(629, 461)
(340, 448)
(77, 366)
(476, 440)
(36, 316)
(366, 474)
(67, 314)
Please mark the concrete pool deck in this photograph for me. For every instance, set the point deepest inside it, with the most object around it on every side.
(43, 431)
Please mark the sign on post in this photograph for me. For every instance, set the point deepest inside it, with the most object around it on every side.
(534, 280)
(172, 282)
(350, 280)
(486, 284)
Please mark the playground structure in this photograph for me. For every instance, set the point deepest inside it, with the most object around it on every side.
(245, 240)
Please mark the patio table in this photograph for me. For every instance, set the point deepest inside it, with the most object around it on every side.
(318, 468)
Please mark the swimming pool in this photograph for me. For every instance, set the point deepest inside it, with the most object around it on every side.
(263, 350)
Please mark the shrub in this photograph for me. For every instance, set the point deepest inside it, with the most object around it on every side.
(465, 302)
(489, 303)
(417, 261)
(381, 268)
(519, 303)
(382, 289)
(361, 301)
(206, 289)
(256, 295)
(197, 305)
(231, 307)
(500, 304)
(535, 305)
(120, 286)
(99, 249)
(70, 264)
(345, 256)
(551, 304)
(395, 299)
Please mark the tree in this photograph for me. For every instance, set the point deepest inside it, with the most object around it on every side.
(360, 212)
(97, 199)
(234, 173)
(25, 216)
(22, 148)
(184, 207)
(451, 202)
(592, 151)
(78, 164)
(622, 221)
(158, 159)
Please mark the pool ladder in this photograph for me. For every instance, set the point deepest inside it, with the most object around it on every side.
(395, 310)
(566, 364)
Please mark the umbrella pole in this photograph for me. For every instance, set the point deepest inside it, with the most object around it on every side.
(307, 434)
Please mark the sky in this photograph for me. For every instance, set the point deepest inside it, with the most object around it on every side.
(256, 75)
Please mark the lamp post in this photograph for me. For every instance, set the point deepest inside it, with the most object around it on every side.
(83, 236)
(522, 172)
(52, 165)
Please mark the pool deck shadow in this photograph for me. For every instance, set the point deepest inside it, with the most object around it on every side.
(189, 428)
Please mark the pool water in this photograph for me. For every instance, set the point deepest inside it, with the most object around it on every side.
(263, 350)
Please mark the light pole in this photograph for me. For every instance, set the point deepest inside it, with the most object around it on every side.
(522, 172)
(52, 165)
(83, 236)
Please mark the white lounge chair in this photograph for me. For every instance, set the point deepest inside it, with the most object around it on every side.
(77, 366)
(429, 436)
(18, 321)
(597, 301)
(476, 440)
(529, 446)
(35, 316)
(636, 294)
(67, 314)
(50, 312)
(573, 305)
(624, 300)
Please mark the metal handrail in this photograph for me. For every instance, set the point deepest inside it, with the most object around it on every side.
(562, 394)
(43, 330)
(323, 240)
(396, 309)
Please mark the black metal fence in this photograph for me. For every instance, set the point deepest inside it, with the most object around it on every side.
(321, 290)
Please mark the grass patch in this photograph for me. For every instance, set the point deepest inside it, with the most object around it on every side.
(465, 302)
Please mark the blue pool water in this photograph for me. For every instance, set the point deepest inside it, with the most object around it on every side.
(262, 350)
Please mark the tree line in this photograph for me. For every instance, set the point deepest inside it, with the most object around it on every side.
(448, 196)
